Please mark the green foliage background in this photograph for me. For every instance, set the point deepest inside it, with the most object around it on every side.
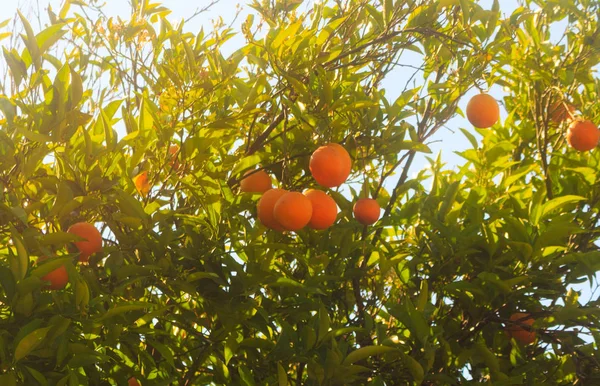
(191, 290)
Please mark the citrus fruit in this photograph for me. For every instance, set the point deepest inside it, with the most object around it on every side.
(255, 182)
(174, 162)
(324, 209)
(483, 111)
(141, 183)
(330, 165)
(514, 330)
(583, 135)
(367, 211)
(265, 208)
(92, 239)
(57, 279)
(561, 111)
(133, 382)
(293, 211)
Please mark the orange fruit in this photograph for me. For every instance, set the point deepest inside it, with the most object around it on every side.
(583, 135)
(141, 183)
(293, 211)
(514, 330)
(92, 242)
(265, 207)
(133, 382)
(324, 209)
(561, 111)
(255, 182)
(58, 278)
(330, 165)
(483, 111)
(367, 211)
(174, 162)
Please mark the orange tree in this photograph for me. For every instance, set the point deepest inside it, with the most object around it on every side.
(144, 130)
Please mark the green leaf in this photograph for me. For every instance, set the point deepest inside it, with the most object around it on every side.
(289, 31)
(423, 296)
(471, 138)
(244, 164)
(48, 37)
(76, 88)
(58, 238)
(324, 323)
(518, 174)
(31, 42)
(164, 351)
(365, 352)
(33, 136)
(488, 357)
(189, 55)
(82, 293)
(558, 203)
(109, 134)
(415, 368)
(535, 207)
(246, 376)
(493, 20)
(30, 342)
(466, 6)
(449, 199)
(416, 322)
(414, 146)
(119, 310)
(8, 282)
(281, 375)
(50, 265)
(63, 196)
(202, 275)
(8, 379)
(19, 263)
(17, 67)
(39, 377)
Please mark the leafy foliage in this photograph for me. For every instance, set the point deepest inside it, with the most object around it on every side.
(190, 289)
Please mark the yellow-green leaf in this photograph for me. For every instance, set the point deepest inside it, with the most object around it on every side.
(365, 352)
(30, 342)
(281, 375)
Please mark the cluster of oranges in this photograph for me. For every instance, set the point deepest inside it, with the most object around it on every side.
(91, 243)
(582, 135)
(281, 210)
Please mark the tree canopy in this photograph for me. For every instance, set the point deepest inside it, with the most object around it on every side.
(145, 130)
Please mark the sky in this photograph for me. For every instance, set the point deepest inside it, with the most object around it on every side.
(448, 140)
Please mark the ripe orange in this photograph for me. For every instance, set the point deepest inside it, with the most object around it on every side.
(257, 182)
(330, 165)
(92, 242)
(324, 209)
(174, 162)
(483, 111)
(265, 207)
(141, 183)
(583, 135)
(58, 278)
(519, 333)
(561, 111)
(367, 211)
(133, 382)
(293, 211)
